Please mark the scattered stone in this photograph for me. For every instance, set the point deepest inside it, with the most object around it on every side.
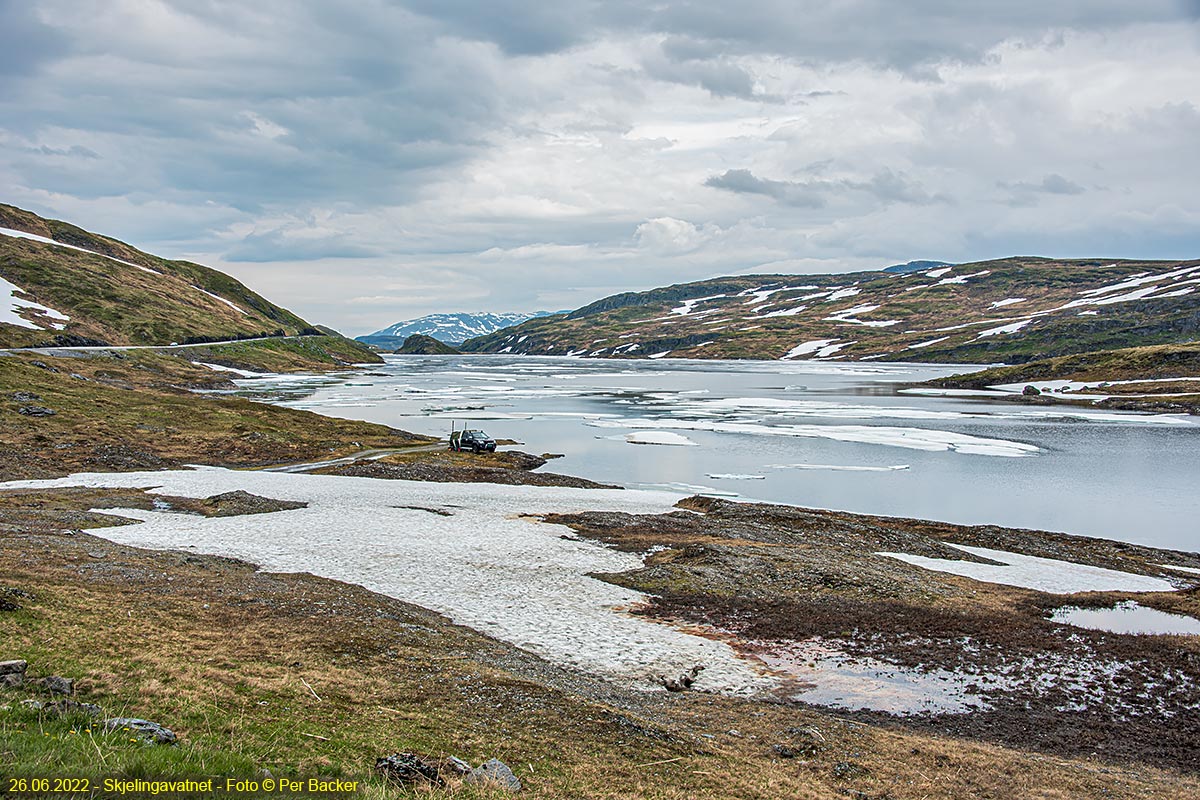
(457, 766)
(404, 768)
(495, 773)
(15, 667)
(142, 728)
(9, 598)
(36, 411)
(61, 708)
(806, 742)
(1031, 391)
(684, 681)
(14, 681)
(43, 365)
(845, 770)
(56, 685)
(783, 751)
(25, 397)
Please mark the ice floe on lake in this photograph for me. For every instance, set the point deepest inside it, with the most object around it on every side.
(910, 438)
(657, 437)
(486, 564)
(840, 467)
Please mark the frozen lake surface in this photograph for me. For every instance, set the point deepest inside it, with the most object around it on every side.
(821, 434)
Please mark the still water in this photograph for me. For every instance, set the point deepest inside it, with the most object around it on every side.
(821, 434)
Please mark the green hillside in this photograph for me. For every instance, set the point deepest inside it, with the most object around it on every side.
(84, 286)
(1009, 310)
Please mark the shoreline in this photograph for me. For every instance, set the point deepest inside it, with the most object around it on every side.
(694, 560)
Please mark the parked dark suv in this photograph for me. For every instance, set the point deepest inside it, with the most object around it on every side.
(475, 441)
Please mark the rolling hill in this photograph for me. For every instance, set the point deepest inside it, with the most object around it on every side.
(62, 285)
(1012, 310)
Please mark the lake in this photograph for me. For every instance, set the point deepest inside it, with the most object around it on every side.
(836, 435)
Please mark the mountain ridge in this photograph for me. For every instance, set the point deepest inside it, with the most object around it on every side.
(449, 328)
(63, 285)
(1013, 309)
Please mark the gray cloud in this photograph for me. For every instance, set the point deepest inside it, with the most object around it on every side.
(885, 186)
(544, 154)
(26, 43)
(283, 245)
(900, 35)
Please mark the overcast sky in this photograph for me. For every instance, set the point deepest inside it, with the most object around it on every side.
(383, 160)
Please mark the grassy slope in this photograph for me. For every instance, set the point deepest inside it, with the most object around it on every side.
(1135, 363)
(308, 353)
(736, 326)
(1160, 366)
(305, 676)
(124, 413)
(122, 304)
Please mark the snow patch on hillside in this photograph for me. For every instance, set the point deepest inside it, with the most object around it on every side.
(11, 306)
(23, 235)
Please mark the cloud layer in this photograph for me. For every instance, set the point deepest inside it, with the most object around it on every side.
(390, 159)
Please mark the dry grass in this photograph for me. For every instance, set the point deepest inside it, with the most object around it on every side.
(235, 661)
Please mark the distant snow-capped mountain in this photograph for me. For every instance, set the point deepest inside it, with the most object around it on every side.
(448, 328)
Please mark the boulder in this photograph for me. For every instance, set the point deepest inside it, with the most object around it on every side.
(495, 773)
(1031, 391)
(457, 766)
(684, 681)
(143, 729)
(36, 411)
(56, 685)
(25, 397)
(16, 666)
(10, 598)
(406, 768)
(61, 708)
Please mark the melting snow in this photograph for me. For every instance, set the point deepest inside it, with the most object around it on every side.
(1042, 574)
(937, 273)
(848, 315)
(239, 372)
(1008, 301)
(688, 305)
(23, 235)
(9, 310)
(486, 565)
(805, 348)
(222, 299)
(927, 344)
(1138, 281)
(1012, 328)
